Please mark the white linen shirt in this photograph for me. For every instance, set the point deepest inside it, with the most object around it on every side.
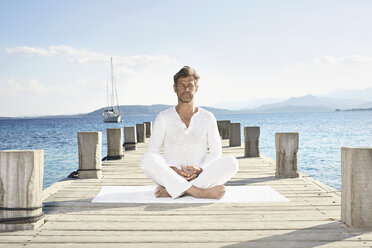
(186, 146)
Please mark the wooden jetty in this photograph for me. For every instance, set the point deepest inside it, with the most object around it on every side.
(310, 219)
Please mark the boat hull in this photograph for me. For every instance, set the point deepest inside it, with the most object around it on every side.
(116, 118)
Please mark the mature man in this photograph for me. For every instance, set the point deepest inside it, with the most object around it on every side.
(186, 132)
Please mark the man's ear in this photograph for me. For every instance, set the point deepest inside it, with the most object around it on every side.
(196, 87)
(175, 88)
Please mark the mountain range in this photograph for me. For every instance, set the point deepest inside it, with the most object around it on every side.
(336, 100)
(311, 103)
(308, 103)
(138, 110)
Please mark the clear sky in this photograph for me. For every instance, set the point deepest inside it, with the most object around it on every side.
(54, 55)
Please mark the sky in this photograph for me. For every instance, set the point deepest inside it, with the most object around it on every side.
(55, 55)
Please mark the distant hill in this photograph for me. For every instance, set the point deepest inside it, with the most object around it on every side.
(340, 98)
(134, 110)
(361, 94)
(308, 103)
(364, 105)
(247, 104)
(126, 110)
(143, 110)
(355, 109)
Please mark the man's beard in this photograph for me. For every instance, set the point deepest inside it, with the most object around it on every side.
(184, 98)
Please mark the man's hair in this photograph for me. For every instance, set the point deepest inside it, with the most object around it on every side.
(186, 71)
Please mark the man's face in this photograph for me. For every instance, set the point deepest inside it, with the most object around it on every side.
(185, 89)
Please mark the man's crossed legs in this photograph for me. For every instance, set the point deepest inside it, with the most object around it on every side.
(209, 184)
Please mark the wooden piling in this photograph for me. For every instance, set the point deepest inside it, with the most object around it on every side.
(251, 142)
(223, 128)
(114, 143)
(130, 140)
(141, 133)
(356, 187)
(286, 145)
(235, 135)
(21, 181)
(90, 147)
(148, 126)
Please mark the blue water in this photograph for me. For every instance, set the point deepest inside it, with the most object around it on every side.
(321, 137)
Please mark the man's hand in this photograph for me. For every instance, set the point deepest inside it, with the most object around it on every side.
(192, 169)
(181, 173)
(188, 172)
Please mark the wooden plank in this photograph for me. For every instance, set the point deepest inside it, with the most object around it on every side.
(191, 225)
(176, 236)
(171, 212)
(179, 218)
(305, 234)
(183, 244)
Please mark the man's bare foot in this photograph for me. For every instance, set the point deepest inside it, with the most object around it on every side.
(160, 191)
(216, 192)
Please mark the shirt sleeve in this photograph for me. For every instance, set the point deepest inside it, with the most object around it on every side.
(214, 143)
(157, 135)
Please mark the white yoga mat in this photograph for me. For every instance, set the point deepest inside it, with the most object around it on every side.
(145, 194)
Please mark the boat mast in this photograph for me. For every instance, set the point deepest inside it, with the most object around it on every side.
(108, 95)
(112, 86)
(117, 99)
(114, 90)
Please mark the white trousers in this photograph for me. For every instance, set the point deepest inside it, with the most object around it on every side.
(217, 173)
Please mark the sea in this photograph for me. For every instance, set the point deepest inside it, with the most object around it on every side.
(321, 137)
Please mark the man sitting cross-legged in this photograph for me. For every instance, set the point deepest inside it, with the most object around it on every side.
(186, 132)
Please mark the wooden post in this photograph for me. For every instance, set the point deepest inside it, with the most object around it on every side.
(251, 141)
(21, 182)
(234, 132)
(356, 187)
(130, 140)
(286, 145)
(219, 126)
(223, 128)
(90, 146)
(141, 133)
(114, 143)
(148, 126)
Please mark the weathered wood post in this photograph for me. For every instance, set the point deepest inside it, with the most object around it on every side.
(130, 140)
(223, 128)
(114, 143)
(90, 147)
(251, 141)
(356, 187)
(141, 133)
(219, 126)
(21, 182)
(286, 145)
(148, 126)
(234, 132)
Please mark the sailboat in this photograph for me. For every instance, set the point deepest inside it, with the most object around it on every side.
(112, 111)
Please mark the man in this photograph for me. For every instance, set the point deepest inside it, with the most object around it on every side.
(186, 132)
